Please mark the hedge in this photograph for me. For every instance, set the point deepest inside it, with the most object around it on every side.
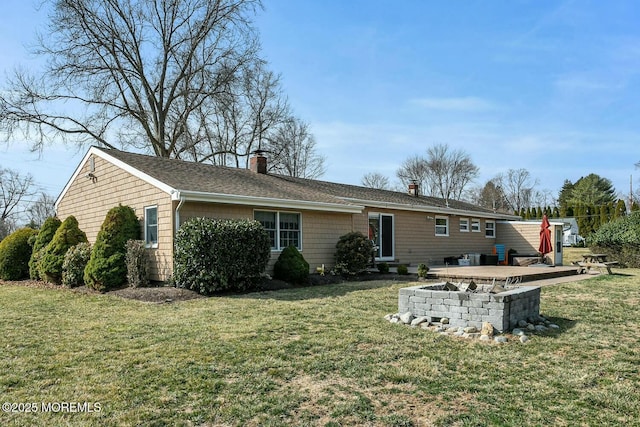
(620, 239)
(213, 255)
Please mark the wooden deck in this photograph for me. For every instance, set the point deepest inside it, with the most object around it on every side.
(501, 274)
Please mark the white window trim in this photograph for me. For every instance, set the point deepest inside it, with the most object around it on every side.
(487, 228)
(146, 241)
(446, 218)
(278, 247)
(465, 221)
(393, 231)
(475, 221)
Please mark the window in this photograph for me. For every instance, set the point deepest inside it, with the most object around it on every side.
(475, 225)
(464, 225)
(151, 226)
(442, 226)
(490, 229)
(283, 228)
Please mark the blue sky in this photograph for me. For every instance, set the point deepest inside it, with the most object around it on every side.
(552, 87)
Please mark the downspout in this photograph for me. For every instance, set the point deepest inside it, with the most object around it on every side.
(177, 216)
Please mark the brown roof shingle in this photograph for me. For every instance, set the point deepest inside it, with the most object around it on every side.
(205, 178)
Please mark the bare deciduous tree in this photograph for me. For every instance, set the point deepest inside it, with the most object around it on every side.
(293, 150)
(413, 170)
(444, 173)
(14, 190)
(375, 180)
(518, 188)
(41, 209)
(149, 74)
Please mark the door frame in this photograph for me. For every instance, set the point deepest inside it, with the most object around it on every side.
(382, 235)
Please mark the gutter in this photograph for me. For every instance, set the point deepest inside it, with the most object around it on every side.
(437, 210)
(197, 196)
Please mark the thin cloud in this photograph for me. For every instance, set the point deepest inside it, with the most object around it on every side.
(468, 103)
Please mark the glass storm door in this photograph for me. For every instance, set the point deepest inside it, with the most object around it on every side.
(381, 233)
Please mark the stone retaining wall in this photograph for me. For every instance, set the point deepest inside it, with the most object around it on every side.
(503, 310)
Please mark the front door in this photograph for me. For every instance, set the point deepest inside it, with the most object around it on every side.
(381, 233)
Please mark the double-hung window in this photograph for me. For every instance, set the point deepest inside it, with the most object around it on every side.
(475, 225)
(490, 229)
(283, 228)
(151, 226)
(442, 225)
(464, 225)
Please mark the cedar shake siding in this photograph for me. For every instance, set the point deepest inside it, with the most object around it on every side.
(89, 200)
(320, 230)
(181, 190)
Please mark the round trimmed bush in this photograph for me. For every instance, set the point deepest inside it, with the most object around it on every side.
(15, 252)
(45, 235)
(107, 267)
(353, 252)
(213, 255)
(75, 261)
(66, 236)
(291, 266)
(383, 267)
(403, 270)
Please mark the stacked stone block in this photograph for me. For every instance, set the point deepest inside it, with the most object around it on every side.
(503, 310)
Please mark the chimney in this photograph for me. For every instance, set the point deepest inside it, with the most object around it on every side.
(258, 163)
(413, 189)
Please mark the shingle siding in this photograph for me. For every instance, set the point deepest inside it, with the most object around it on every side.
(89, 200)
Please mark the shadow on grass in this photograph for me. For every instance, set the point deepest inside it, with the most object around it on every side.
(305, 292)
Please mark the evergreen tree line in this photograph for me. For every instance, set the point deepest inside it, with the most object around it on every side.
(590, 217)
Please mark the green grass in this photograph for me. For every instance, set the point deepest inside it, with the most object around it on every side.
(320, 356)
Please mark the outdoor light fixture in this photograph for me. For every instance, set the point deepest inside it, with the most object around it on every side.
(92, 177)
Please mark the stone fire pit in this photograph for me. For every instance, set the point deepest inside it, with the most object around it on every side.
(471, 307)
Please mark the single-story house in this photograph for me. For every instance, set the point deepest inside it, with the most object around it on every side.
(310, 214)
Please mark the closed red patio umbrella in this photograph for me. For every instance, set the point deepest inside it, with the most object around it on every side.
(545, 237)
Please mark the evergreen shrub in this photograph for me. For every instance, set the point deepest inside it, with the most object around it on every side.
(66, 236)
(107, 267)
(15, 252)
(353, 253)
(383, 267)
(75, 261)
(620, 240)
(136, 258)
(291, 266)
(213, 255)
(423, 270)
(44, 236)
(403, 270)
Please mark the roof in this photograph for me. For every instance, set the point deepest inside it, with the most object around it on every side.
(192, 181)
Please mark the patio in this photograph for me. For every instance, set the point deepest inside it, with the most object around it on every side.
(501, 274)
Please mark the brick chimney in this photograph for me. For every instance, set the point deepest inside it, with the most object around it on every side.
(414, 189)
(258, 163)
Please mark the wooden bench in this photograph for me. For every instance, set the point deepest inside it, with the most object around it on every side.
(587, 266)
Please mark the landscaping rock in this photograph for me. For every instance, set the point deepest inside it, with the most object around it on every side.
(518, 332)
(485, 338)
(406, 318)
(524, 339)
(420, 320)
(444, 320)
(487, 329)
(522, 323)
(500, 339)
(531, 327)
(541, 328)
(554, 326)
(470, 330)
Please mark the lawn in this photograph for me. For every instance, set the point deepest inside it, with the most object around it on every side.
(319, 356)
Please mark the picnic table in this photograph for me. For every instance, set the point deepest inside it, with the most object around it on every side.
(596, 260)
